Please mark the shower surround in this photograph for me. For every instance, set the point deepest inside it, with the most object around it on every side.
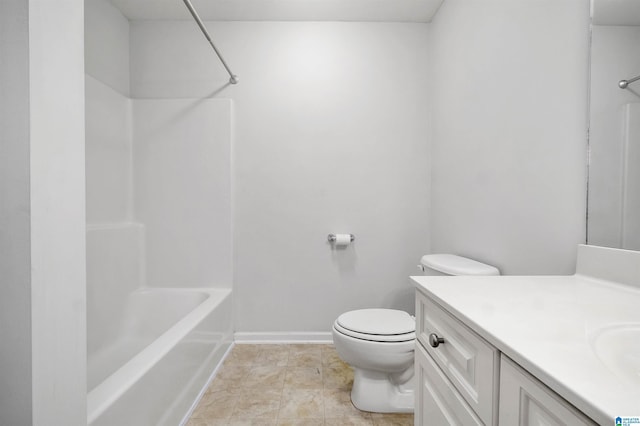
(158, 252)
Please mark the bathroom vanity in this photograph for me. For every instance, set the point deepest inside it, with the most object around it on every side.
(531, 350)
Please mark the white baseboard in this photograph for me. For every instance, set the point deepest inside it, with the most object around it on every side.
(283, 337)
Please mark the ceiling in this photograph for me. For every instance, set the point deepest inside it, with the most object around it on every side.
(616, 12)
(283, 10)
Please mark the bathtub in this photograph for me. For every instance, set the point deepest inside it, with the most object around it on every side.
(154, 358)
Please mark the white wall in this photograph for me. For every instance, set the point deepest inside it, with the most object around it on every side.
(612, 59)
(43, 361)
(509, 98)
(331, 136)
(57, 194)
(15, 245)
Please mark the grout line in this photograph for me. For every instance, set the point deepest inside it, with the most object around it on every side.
(283, 382)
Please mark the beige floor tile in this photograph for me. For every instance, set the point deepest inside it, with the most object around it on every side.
(251, 422)
(229, 378)
(327, 347)
(277, 355)
(305, 356)
(337, 403)
(301, 404)
(304, 360)
(337, 376)
(232, 386)
(305, 348)
(330, 357)
(285, 385)
(257, 404)
(348, 421)
(301, 422)
(267, 377)
(303, 378)
(216, 405)
(207, 422)
(242, 355)
(232, 372)
(392, 419)
(241, 348)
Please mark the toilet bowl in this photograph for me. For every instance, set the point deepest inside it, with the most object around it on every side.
(379, 344)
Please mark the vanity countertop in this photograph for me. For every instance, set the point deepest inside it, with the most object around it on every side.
(550, 325)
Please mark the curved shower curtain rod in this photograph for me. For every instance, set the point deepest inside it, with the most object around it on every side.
(233, 79)
(624, 83)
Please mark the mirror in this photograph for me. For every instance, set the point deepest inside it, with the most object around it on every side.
(613, 215)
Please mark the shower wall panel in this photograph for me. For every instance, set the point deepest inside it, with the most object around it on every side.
(611, 60)
(631, 178)
(182, 190)
(108, 154)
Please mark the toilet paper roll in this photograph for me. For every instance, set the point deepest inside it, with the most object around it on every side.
(342, 240)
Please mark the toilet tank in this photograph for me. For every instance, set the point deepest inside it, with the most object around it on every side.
(450, 264)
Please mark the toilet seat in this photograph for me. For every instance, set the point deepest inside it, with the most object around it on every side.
(377, 325)
(393, 338)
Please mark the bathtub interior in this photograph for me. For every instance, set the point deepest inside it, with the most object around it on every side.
(148, 313)
(177, 366)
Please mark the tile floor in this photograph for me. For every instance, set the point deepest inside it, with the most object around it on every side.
(285, 385)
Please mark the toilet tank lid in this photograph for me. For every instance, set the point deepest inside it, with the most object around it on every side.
(451, 264)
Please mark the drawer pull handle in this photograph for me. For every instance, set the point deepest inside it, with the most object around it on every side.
(434, 340)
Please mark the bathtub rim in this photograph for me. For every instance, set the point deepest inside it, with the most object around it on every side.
(101, 397)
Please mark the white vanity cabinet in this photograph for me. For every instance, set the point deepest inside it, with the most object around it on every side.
(525, 401)
(437, 400)
(469, 364)
(464, 380)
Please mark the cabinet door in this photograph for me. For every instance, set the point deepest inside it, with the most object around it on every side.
(468, 361)
(525, 401)
(437, 400)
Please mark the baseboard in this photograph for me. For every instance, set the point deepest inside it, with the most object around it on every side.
(283, 337)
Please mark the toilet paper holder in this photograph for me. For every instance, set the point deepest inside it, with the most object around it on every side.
(332, 237)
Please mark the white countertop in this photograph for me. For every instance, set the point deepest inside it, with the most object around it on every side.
(546, 324)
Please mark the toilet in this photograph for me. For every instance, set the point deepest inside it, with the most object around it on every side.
(379, 344)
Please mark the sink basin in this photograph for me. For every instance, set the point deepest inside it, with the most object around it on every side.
(618, 347)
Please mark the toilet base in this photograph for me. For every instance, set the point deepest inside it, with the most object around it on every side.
(383, 393)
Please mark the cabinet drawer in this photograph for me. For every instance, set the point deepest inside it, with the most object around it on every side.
(527, 402)
(438, 402)
(469, 362)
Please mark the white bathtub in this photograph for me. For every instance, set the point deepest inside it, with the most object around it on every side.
(152, 361)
